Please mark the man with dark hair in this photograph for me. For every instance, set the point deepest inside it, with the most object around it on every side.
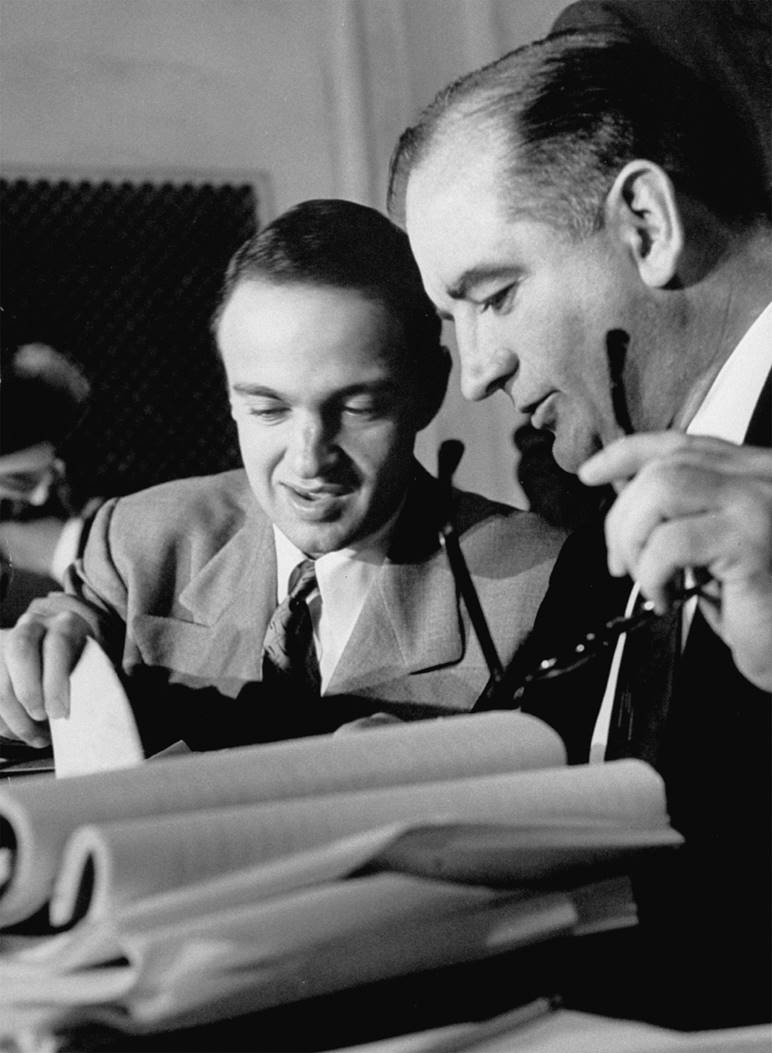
(596, 224)
(232, 603)
(728, 43)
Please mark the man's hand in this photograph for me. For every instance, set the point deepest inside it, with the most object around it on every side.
(690, 501)
(36, 659)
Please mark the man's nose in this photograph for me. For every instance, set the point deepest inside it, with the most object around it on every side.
(488, 363)
(311, 448)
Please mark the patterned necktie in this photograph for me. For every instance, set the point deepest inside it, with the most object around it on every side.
(289, 655)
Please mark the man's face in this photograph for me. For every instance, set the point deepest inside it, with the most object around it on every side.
(531, 307)
(27, 476)
(325, 414)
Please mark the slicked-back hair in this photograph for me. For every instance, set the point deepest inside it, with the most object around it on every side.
(342, 245)
(565, 115)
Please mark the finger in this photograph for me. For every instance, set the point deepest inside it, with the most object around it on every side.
(674, 546)
(662, 490)
(736, 510)
(15, 722)
(732, 543)
(62, 648)
(624, 457)
(21, 651)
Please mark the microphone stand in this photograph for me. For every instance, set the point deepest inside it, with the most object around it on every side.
(450, 454)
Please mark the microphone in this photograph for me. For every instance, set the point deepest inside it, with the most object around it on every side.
(450, 453)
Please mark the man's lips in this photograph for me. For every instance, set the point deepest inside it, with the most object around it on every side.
(317, 493)
(317, 502)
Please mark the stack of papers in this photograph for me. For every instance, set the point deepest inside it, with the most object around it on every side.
(188, 889)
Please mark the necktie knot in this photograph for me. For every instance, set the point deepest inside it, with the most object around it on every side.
(302, 581)
(289, 653)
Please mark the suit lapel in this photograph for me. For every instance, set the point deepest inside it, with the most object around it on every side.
(410, 620)
(228, 580)
(231, 600)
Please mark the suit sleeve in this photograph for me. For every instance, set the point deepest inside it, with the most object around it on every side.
(94, 589)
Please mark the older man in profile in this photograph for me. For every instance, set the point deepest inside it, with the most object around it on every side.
(597, 226)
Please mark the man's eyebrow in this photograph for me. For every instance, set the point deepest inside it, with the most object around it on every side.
(255, 389)
(476, 276)
(381, 384)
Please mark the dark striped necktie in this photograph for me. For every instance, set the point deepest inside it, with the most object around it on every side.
(289, 654)
(644, 690)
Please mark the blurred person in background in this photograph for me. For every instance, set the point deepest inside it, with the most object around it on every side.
(43, 396)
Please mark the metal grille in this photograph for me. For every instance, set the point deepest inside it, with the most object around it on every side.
(122, 277)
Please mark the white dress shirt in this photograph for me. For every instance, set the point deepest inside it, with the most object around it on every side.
(66, 549)
(343, 578)
(724, 413)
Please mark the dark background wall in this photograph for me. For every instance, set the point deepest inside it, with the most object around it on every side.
(122, 277)
(303, 98)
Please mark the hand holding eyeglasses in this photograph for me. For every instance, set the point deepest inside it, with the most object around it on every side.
(694, 502)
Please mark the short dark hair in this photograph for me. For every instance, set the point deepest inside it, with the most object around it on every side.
(343, 245)
(569, 111)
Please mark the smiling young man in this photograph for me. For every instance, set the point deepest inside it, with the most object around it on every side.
(586, 194)
(333, 363)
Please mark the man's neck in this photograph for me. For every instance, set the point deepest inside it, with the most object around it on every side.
(723, 308)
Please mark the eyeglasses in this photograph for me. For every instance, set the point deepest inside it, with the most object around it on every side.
(500, 690)
(504, 683)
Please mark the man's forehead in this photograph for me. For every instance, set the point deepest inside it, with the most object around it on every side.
(268, 329)
(455, 218)
(282, 299)
(459, 157)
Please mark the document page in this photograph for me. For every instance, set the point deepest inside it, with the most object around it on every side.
(39, 816)
(100, 733)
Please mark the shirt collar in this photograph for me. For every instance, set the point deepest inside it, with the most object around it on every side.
(726, 410)
(370, 551)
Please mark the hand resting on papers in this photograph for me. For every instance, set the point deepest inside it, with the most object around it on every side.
(39, 654)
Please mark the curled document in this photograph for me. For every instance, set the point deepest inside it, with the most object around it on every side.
(100, 734)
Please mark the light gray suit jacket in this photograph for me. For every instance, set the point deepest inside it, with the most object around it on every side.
(181, 583)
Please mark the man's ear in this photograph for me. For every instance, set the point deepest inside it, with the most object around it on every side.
(643, 210)
(433, 386)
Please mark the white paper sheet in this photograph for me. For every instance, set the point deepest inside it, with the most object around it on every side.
(100, 733)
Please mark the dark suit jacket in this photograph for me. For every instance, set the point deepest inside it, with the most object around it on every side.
(706, 953)
(182, 583)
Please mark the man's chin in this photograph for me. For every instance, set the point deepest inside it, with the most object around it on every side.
(320, 538)
(570, 452)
